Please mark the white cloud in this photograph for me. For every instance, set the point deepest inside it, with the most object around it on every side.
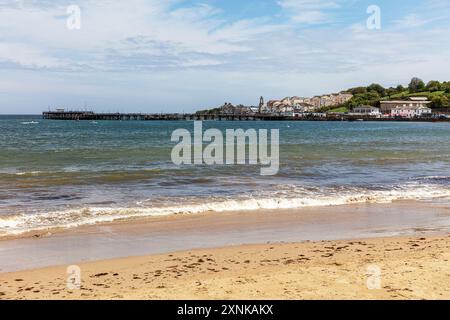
(437, 4)
(166, 52)
(115, 32)
(411, 21)
(115, 36)
(308, 4)
(310, 17)
(309, 11)
(27, 56)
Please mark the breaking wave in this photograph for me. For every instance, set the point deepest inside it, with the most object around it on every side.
(287, 197)
(29, 122)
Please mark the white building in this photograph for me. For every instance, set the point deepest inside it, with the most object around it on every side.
(413, 102)
(411, 111)
(366, 111)
(304, 107)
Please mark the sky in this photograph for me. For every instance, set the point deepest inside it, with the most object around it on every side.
(186, 55)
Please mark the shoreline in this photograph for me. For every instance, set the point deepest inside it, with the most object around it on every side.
(437, 203)
(159, 235)
(312, 253)
(405, 268)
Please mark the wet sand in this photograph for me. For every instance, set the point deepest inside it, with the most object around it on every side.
(384, 268)
(212, 230)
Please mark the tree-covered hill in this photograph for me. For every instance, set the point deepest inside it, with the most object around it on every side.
(437, 92)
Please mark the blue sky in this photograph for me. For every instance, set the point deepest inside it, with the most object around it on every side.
(183, 55)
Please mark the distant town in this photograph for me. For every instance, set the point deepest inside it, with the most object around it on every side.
(417, 101)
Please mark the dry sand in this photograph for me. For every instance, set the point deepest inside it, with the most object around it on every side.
(411, 268)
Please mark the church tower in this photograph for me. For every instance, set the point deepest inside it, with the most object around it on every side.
(261, 104)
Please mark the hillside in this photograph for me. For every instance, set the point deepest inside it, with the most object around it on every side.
(437, 92)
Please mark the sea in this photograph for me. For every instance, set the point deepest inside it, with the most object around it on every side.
(65, 174)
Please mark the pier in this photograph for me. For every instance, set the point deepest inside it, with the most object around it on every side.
(92, 116)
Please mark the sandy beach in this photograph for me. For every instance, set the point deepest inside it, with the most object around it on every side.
(410, 268)
(363, 251)
(177, 233)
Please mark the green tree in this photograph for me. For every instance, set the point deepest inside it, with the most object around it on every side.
(377, 88)
(358, 90)
(371, 98)
(433, 86)
(439, 102)
(390, 91)
(416, 85)
(400, 88)
(445, 87)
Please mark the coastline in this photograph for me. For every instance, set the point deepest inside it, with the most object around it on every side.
(366, 202)
(312, 253)
(409, 268)
(159, 235)
(225, 153)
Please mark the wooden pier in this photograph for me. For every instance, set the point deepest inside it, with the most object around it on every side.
(89, 115)
(92, 116)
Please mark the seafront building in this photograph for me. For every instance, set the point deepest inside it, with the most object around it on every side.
(366, 111)
(300, 104)
(411, 112)
(298, 107)
(410, 104)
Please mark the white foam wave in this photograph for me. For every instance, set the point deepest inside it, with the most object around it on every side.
(31, 173)
(433, 178)
(17, 224)
(29, 122)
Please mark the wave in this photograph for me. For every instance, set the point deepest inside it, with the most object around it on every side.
(434, 178)
(75, 171)
(28, 173)
(29, 122)
(288, 198)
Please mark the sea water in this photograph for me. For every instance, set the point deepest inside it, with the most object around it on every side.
(72, 173)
